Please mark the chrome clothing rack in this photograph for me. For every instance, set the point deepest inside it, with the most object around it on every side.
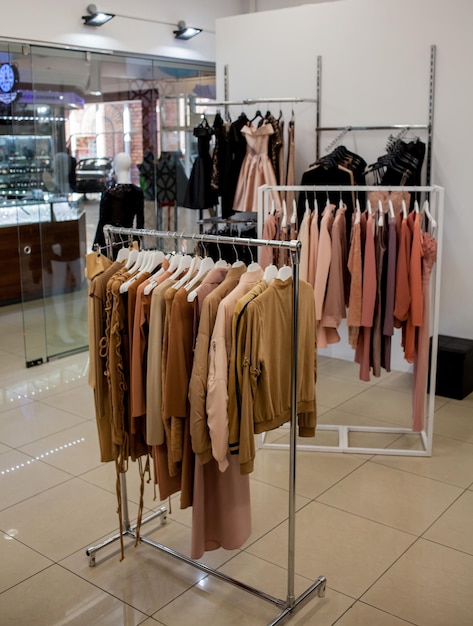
(291, 604)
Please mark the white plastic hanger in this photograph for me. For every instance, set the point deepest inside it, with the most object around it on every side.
(194, 265)
(380, 213)
(368, 206)
(184, 264)
(316, 206)
(273, 207)
(237, 263)
(123, 254)
(391, 208)
(206, 265)
(416, 206)
(284, 215)
(132, 256)
(357, 211)
(432, 222)
(270, 273)
(404, 209)
(284, 272)
(294, 212)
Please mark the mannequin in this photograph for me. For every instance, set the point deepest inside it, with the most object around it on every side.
(123, 204)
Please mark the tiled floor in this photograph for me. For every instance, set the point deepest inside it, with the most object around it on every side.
(393, 535)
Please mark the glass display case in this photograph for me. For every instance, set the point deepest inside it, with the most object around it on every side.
(25, 162)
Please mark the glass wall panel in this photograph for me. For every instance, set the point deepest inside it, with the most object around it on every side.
(64, 116)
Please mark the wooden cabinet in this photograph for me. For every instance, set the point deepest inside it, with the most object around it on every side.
(31, 253)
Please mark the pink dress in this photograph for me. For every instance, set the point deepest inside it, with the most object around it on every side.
(256, 170)
(421, 362)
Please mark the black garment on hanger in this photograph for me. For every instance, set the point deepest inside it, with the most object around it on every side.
(199, 193)
(120, 206)
(330, 175)
(222, 165)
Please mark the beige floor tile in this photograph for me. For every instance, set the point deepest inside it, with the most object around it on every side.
(8, 361)
(315, 471)
(350, 551)
(4, 448)
(468, 400)
(46, 380)
(361, 614)
(451, 460)
(30, 422)
(18, 563)
(454, 527)
(430, 585)
(9, 399)
(455, 420)
(322, 437)
(398, 381)
(221, 604)
(78, 401)
(146, 578)
(63, 519)
(55, 596)
(399, 499)
(269, 507)
(332, 391)
(75, 450)
(350, 370)
(23, 476)
(382, 404)
(104, 476)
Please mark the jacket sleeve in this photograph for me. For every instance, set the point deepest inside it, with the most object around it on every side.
(200, 437)
(217, 395)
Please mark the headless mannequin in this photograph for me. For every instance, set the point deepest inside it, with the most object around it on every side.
(123, 204)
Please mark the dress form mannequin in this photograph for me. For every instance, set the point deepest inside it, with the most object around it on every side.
(123, 204)
(122, 166)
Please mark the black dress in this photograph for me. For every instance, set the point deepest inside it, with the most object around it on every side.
(199, 192)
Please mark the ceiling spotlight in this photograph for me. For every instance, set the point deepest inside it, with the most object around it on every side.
(185, 32)
(95, 17)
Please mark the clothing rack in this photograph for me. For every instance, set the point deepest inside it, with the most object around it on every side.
(436, 195)
(291, 604)
(429, 126)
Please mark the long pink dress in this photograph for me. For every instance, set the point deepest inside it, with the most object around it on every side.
(421, 362)
(256, 170)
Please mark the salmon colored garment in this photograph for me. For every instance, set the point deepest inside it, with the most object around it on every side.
(324, 256)
(334, 309)
(314, 245)
(270, 231)
(415, 318)
(304, 238)
(402, 298)
(421, 362)
(356, 292)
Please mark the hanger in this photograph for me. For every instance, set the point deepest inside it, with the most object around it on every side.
(294, 212)
(380, 213)
(122, 255)
(257, 114)
(432, 223)
(221, 262)
(284, 214)
(237, 263)
(253, 266)
(368, 207)
(404, 209)
(205, 266)
(357, 211)
(270, 273)
(391, 208)
(284, 273)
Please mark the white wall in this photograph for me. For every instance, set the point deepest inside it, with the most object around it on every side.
(376, 57)
(59, 22)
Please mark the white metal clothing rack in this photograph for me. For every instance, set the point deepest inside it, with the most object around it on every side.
(291, 604)
(426, 435)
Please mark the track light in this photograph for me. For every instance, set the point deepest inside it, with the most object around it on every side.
(185, 32)
(95, 17)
